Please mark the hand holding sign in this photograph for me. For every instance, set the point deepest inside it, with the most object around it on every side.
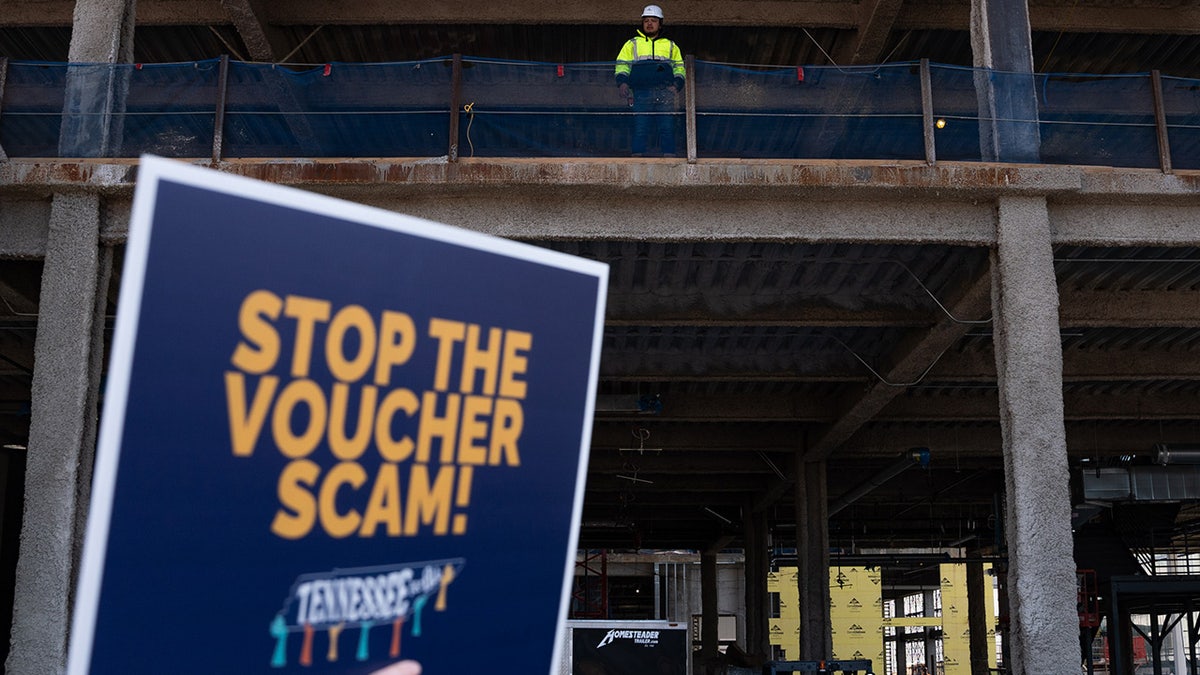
(401, 668)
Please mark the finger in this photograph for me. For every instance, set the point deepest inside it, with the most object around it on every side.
(400, 668)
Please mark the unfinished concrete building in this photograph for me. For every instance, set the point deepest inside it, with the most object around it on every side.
(923, 287)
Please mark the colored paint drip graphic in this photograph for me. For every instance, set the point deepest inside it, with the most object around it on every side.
(362, 598)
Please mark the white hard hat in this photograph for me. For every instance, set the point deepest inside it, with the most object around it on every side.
(654, 11)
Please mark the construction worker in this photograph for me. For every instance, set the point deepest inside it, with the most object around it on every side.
(649, 73)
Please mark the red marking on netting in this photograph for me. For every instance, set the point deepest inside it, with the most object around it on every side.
(799, 73)
(328, 67)
(560, 70)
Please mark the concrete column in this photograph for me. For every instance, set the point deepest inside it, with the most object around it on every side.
(930, 643)
(757, 565)
(1007, 95)
(709, 611)
(1043, 635)
(812, 552)
(94, 103)
(979, 612)
(61, 436)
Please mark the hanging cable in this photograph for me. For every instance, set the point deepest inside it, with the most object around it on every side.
(297, 47)
(1046, 61)
(933, 297)
(470, 110)
(876, 373)
(822, 49)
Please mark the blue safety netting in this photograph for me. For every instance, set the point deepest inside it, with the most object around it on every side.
(809, 112)
(528, 109)
(338, 110)
(1089, 119)
(1080, 119)
(168, 109)
(522, 109)
(31, 116)
(1181, 104)
(956, 112)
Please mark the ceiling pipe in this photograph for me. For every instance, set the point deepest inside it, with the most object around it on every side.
(909, 459)
(1176, 454)
(650, 404)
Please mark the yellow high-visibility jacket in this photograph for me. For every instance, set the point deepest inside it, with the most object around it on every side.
(650, 62)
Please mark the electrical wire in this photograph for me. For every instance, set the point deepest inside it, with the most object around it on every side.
(470, 110)
(883, 380)
(1071, 16)
(949, 315)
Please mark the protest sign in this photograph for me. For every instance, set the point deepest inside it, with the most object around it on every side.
(333, 437)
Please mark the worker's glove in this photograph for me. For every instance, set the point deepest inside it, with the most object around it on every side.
(624, 89)
(679, 84)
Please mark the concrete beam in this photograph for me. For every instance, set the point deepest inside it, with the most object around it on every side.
(689, 311)
(678, 482)
(1080, 309)
(1130, 309)
(911, 361)
(983, 406)
(24, 225)
(693, 218)
(375, 12)
(875, 21)
(766, 408)
(1125, 365)
(714, 464)
(16, 361)
(20, 302)
(951, 405)
(839, 180)
(1108, 365)
(1090, 438)
(713, 200)
(264, 42)
(678, 366)
(718, 178)
(1109, 224)
(1081, 17)
(1163, 19)
(368, 180)
(745, 469)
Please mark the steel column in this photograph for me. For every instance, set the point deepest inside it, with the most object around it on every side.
(927, 113)
(1160, 122)
(219, 117)
(689, 89)
(3, 79)
(455, 102)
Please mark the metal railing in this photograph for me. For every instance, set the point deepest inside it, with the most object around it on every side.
(457, 107)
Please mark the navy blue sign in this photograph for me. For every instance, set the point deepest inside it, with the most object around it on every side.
(333, 438)
(628, 648)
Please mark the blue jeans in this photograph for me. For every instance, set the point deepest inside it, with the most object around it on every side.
(660, 103)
